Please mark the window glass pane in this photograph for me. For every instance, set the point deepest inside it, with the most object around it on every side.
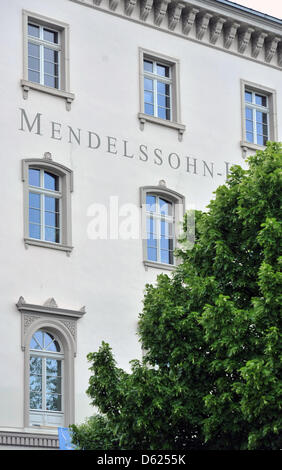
(53, 402)
(250, 137)
(149, 109)
(150, 203)
(163, 113)
(34, 231)
(260, 140)
(249, 114)
(50, 81)
(35, 383)
(52, 235)
(38, 337)
(166, 257)
(33, 50)
(52, 219)
(249, 126)
(265, 140)
(163, 101)
(152, 254)
(265, 130)
(33, 64)
(163, 88)
(50, 55)
(34, 177)
(51, 36)
(33, 76)
(163, 70)
(34, 216)
(51, 181)
(165, 207)
(148, 97)
(248, 96)
(51, 68)
(35, 365)
(261, 100)
(148, 66)
(53, 384)
(35, 401)
(53, 367)
(148, 84)
(259, 128)
(33, 30)
(51, 204)
(34, 200)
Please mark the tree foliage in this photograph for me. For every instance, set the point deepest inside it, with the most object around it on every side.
(211, 375)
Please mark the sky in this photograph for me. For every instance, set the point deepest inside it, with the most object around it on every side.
(270, 7)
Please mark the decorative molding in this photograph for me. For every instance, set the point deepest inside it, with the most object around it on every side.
(51, 303)
(213, 23)
(257, 43)
(202, 23)
(71, 326)
(25, 439)
(280, 54)
(216, 25)
(49, 308)
(113, 4)
(174, 14)
(160, 10)
(145, 9)
(230, 31)
(188, 19)
(129, 6)
(271, 45)
(244, 37)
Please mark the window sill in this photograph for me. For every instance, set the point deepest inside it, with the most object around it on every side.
(249, 146)
(162, 266)
(27, 86)
(44, 244)
(143, 118)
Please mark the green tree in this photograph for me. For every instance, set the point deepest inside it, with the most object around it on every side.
(211, 376)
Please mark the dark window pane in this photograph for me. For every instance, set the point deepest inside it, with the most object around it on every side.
(51, 81)
(35, 402)
(33, 50)
(261, 100)
(33, 76)
(163, 70)
(50, 55)
(265, 140)
(149, 109)
(265, 130)
(53, 402)
(33, 30)
(51, 36)
(248, 96)
(34, 231)
(51, 181)
(148, 66)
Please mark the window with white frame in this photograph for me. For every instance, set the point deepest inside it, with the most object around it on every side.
(46, 380)
(162, 212)
(47, 204)
(45, 196)
(157, 89)
(44, 55)
(256, 117)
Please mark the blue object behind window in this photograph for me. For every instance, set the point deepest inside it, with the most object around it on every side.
(65, 439)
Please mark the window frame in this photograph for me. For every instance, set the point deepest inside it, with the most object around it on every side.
(178, 211)
(61, 323)
(175, 119)
(62, 29)
(65, 176)
(271, 96)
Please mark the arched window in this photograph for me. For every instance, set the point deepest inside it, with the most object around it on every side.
(47, 204)
(46, 372)
(162, 212)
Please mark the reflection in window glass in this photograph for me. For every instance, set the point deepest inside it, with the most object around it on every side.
(157, 90)
(159, 229)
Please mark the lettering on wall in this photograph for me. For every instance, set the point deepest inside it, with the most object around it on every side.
(120, 147)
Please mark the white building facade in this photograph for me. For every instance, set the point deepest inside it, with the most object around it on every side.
(118, 116)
